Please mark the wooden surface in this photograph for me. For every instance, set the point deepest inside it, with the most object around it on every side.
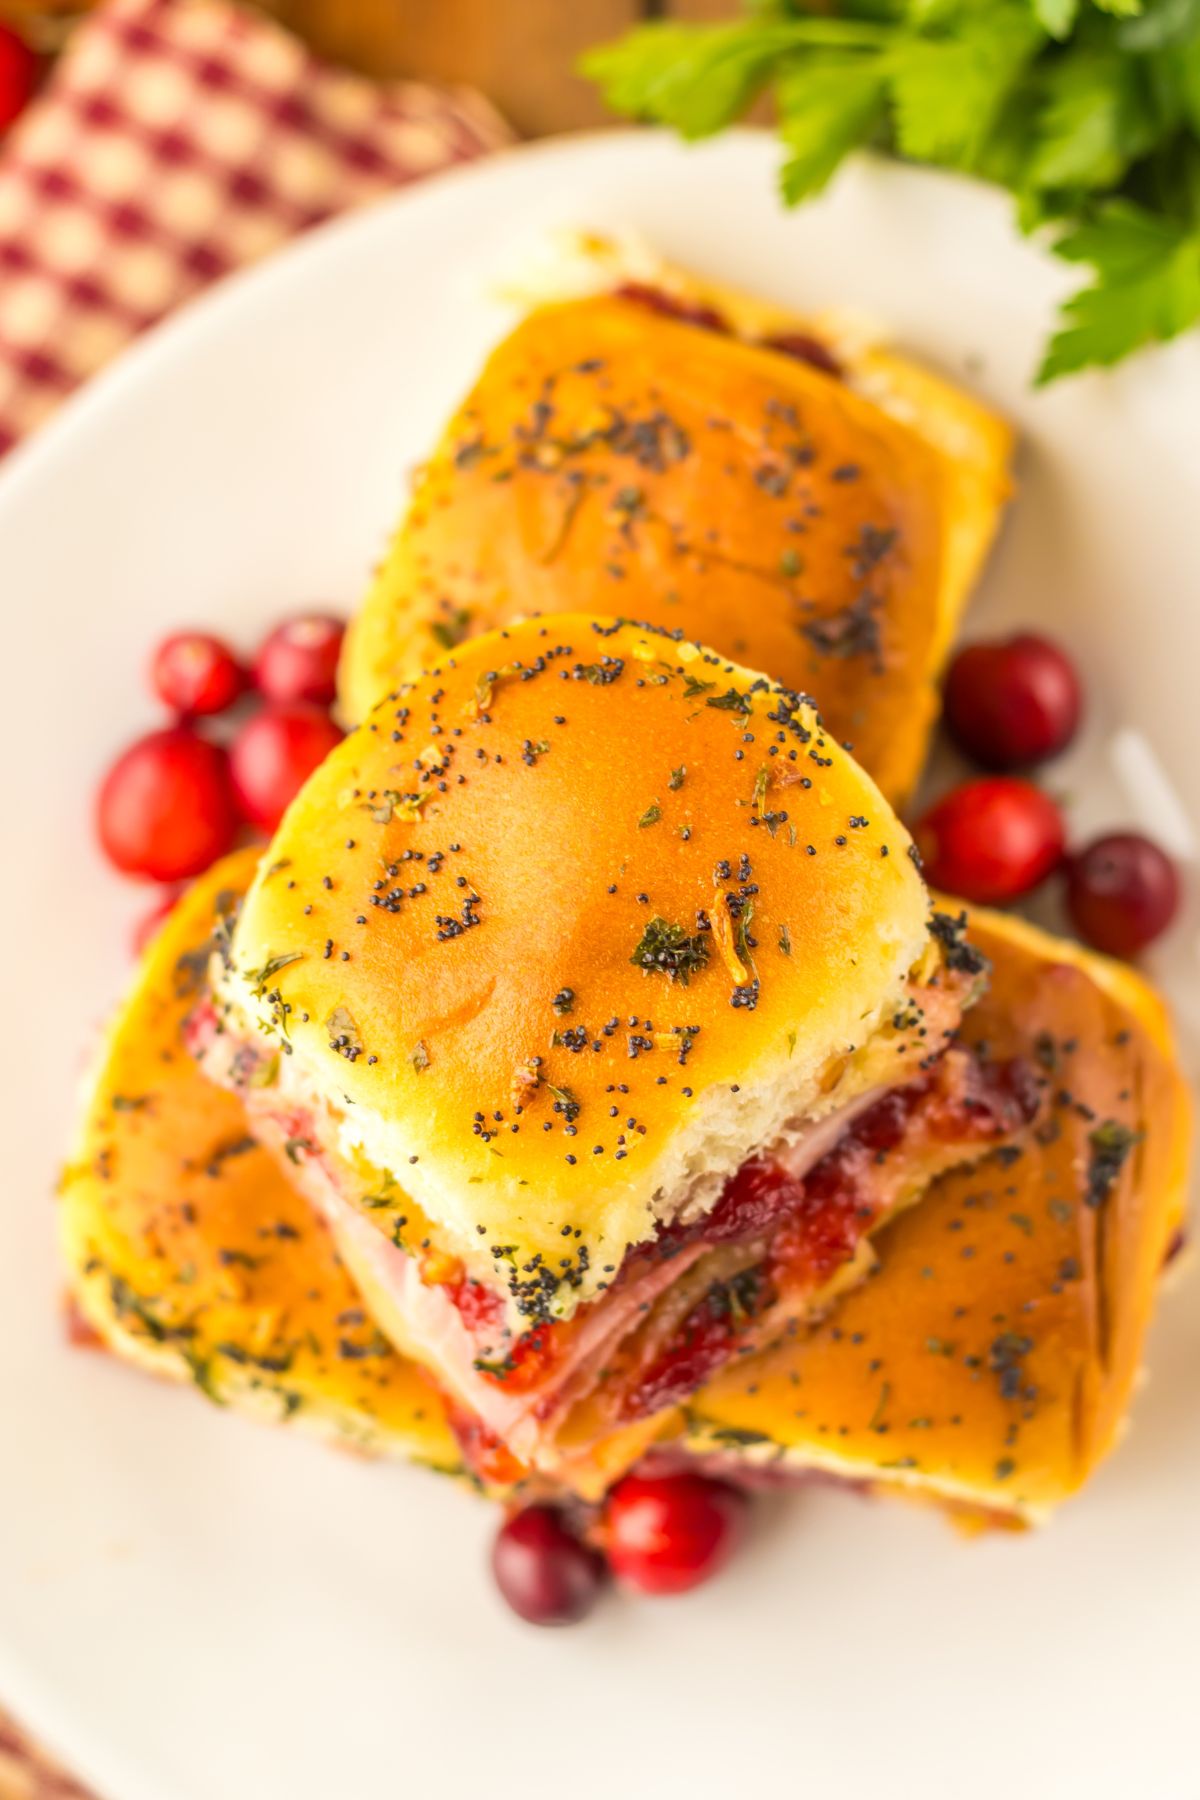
(521, 53)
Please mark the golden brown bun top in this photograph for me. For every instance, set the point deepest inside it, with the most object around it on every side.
(613, 460)
(484, 927)
(992, 1354)
(187, 1247)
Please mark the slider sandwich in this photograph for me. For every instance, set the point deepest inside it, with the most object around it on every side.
(591, 992)
(190, 1253)
(649, 445)
(988, 1361)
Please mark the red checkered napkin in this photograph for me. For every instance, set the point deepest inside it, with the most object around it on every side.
(179, 139)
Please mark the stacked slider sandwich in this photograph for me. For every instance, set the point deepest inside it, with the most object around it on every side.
(588, 1010)
(593, 995)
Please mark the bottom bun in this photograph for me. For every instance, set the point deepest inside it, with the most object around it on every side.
(187, 1251)
(989, 1360)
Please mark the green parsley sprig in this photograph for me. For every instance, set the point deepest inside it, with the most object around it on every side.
(1088, 111)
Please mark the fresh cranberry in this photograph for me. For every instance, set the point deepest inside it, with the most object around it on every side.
(543, 1570)
(18, 75)
(146, 929)
(673, 306)
(803, 347)
(165, 808)
(196, 674)
(1012, 703)
(668, 1533)
(1122, 892)
(991, 841)
(274, 754)
(299, 659)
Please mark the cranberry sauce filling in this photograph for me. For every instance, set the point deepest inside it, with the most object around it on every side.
(802, 346)
(702, 1345)
(526, 1359)
(991, 1100)
(674, 306)
(810, 1225)
(481, 1308)
(814, 1223)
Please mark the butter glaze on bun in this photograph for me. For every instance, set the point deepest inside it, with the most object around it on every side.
(613, 459)
(569, 928)
(990, 1358)
(190, 1254)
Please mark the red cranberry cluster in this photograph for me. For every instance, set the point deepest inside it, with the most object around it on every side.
(1012, 704)
(180, 797)
(802, 346)
(660, 1534)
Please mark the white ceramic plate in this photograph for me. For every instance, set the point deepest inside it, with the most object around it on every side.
(193, 1608)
